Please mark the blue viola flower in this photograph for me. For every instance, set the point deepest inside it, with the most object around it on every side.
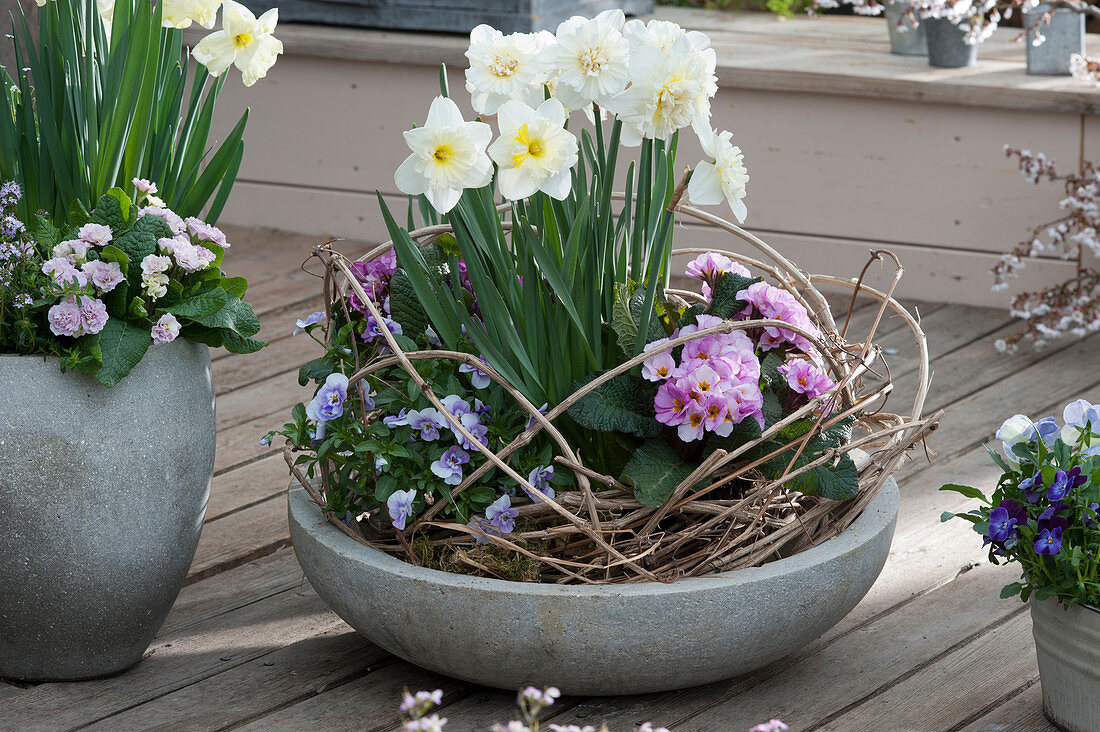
(1048, 430)
(449, 465)
(1032, 488)
(540, 478)
(1001, 524)
(1048, 541)
(1059, 487)
(428, 421)
(1052, 510)
(328, 402)
(1088, 518)
(478, 378)
(312, 319)
(400, 507)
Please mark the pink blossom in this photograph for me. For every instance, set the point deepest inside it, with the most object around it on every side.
(709, 265)
(748, 401)
(715, 407)
(206, 232)
(701, 383)
(774, 303)
(95, 234)
(165, 329)
(658, 367)
(806, 378)
(106, 276)
(388, 262)
(694, 425)
(93, 314)
(154, 263)
(144, 186)
(671, 404)
(63, 273)
(189, 258)
(65, 318)
(175, 223)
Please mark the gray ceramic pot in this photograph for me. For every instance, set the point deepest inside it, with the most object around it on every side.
(593, 640)
(1065, 36)
(946, 48)
(1067, 645)
(905, 40)
(102, 497)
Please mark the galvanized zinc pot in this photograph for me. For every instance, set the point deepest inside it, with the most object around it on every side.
(946, 47)
(102, 497)
(593, 639)
(1065, 36)
(905, 40)
(1067, 645)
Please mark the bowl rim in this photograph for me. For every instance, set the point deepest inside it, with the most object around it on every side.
(878, 516)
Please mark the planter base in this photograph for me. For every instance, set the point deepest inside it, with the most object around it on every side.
(1067, 646)
(597, 639)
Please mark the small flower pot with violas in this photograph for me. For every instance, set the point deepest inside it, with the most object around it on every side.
(111, 294)
(1043, 515)
(519, 423)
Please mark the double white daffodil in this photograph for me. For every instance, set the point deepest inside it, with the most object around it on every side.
(505, 67)
(590, 58)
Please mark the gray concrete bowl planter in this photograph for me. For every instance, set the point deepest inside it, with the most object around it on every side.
(591, 639)
(102, 498)
(1067, 646)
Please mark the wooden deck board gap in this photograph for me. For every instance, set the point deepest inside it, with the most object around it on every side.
(993, 705)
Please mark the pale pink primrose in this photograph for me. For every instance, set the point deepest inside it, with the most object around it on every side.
(95, 234)
(93, 315)
(165, 329)
(106, 276)
(65, 319)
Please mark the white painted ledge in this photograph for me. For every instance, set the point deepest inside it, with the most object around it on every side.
(826, 55)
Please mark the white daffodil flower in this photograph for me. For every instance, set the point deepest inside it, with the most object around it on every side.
(243, 41)
(668, 91)
(448, 156)
(661, 34)
(725, 178)
(534, 151)
(590, 58)
(106, 11)
(181, 13)
(505, 67)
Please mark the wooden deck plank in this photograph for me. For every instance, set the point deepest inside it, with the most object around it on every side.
(247, 486)
(365, 703)
(301, 669)
(859, 664)
(241, 536)
(974, 684)
(1021, 713)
